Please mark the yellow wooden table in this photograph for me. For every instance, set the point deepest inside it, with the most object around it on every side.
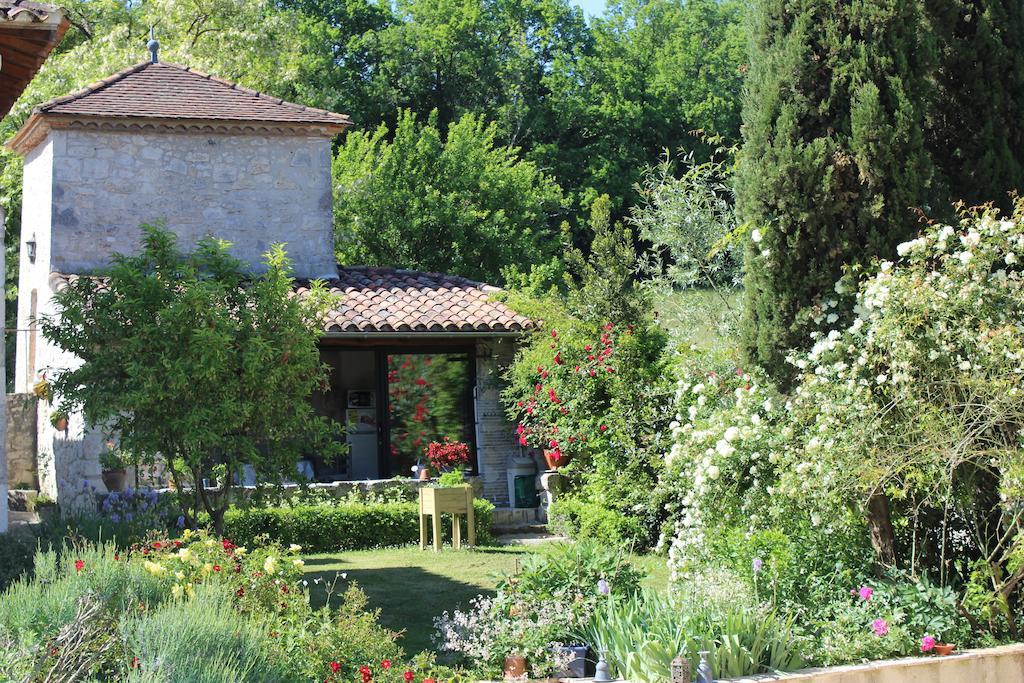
(454, 500)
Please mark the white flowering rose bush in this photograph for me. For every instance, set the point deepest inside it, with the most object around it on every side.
(919, 399)
(730, 434)
(902, 432)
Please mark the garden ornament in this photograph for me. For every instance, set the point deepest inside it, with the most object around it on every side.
(704, 668)
(601, 674)
(681, 670)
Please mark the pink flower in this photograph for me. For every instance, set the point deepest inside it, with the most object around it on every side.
(927, 643)
(880, 627)
(865, 593)
(79, 565)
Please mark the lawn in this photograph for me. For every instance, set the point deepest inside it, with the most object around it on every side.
(410, 586)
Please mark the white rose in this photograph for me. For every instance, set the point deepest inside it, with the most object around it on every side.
(756, 236)
(714, 472)
(731, 434)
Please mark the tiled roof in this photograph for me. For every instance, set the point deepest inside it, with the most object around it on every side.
(387, 301)
(390, 300)
(169, 91)
(24, 11)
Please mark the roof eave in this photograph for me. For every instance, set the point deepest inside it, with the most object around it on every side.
(40, 123)
(469, 334)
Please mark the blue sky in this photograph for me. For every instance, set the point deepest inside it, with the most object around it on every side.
(591, 7)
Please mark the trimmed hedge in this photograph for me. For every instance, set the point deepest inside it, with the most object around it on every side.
(580, 519)
(349, 526)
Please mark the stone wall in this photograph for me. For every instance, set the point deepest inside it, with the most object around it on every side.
(991, 665)
(20, 441)
(252, 190)
(495, 435)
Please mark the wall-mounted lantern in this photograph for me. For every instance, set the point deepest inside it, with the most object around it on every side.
(30, 246)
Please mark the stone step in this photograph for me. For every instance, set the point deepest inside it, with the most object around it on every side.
(529, 538)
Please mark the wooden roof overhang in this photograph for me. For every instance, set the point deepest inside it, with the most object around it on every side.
(28, 33)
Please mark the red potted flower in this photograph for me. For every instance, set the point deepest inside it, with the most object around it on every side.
(447, 455)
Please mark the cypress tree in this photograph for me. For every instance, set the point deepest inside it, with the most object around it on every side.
(975, 134)
(834, 158)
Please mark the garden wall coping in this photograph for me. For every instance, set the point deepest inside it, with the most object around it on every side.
(990, 665)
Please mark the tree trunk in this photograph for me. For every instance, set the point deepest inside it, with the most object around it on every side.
(883, 539)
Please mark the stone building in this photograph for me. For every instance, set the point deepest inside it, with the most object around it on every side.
(28, 33)
(160, 142)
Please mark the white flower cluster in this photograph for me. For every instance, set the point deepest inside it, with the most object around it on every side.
(943, 322)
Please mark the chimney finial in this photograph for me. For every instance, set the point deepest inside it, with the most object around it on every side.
(153, 45)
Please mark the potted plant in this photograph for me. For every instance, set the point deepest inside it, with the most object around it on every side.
(42, 388)
(447, 455)
(555, 458)
(114, 463)
(514, 667)
(59, 420)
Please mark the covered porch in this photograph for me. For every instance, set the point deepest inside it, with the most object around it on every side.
(414, 358)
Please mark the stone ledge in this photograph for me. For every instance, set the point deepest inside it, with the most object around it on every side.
(991, 665)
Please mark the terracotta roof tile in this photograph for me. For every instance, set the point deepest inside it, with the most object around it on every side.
(383, 300)
(380, 301)
(169, 91)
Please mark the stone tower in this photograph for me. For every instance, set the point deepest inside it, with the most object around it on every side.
(158, 142)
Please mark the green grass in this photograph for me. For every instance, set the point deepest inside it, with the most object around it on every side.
(704, 317)
(410, 587)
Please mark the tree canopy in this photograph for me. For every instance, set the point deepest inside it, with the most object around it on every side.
(191, 362)
(442, 202)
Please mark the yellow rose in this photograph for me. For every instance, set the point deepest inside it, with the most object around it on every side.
(179, 575)
(176, 591)
(207, 568)
(270, 565)
(154, 568)
(295, 548)
(240, 551)
(185, 555)
(299, 563)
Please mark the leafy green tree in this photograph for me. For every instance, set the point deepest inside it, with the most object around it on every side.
(834, 156)
(656, 70)
(456, 203)
(195, 364)
(974, 133)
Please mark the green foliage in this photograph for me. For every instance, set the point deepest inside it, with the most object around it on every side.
(690, 222)
(834, 156)
(215, 371)
(537, 609)
(581, 519)
(440, 201)
(590, 381)
(657, 70)
(572, 572)
(329, 528)
(193, 608)
(453, 478)
(979, 157)
(201, 640)
(643, 633)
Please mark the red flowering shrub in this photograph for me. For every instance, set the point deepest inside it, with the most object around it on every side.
(447, 455)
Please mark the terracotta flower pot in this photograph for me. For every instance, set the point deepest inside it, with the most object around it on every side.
(556, 459)
(61, 424)
(115, 480)
(515, 667)
(424, 474)
(944, 649)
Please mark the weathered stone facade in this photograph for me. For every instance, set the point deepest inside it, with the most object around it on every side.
(20, 441)
(252, 190)
(496, 442)
(88, 191)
